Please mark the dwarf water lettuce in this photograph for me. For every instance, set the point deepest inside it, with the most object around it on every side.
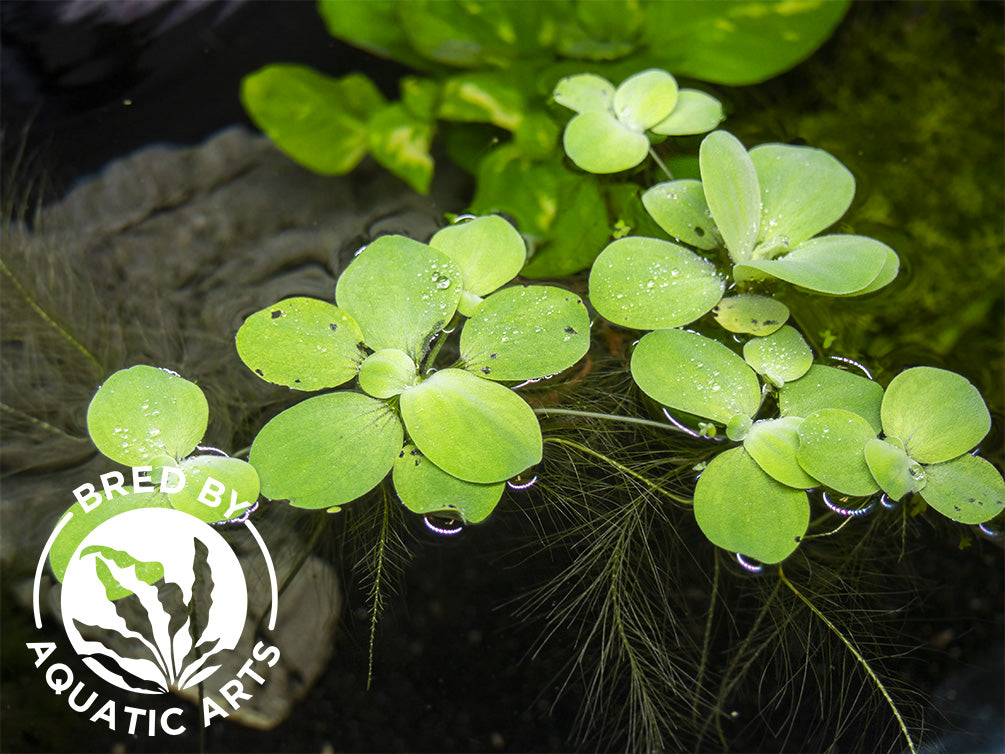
(452, 433)
(152, 420)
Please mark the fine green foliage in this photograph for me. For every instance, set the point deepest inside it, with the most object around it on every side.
(464, 432)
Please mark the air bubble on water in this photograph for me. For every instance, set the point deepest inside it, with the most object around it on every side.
(749, 564)
(443, 525)
(517, 484)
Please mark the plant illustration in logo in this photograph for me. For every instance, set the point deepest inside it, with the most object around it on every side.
(452, 433)
(150, 597)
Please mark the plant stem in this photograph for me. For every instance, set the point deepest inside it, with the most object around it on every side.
(375, 593)
(858, 656)
(663, 167)
(700, 676)
(607, 417)
(620, 467)
(49, 320)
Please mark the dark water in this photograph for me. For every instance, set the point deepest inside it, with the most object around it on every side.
(908, 95)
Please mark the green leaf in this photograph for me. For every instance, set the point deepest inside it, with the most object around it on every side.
(483, 97)
(732, 191)
(387, 372)
(400, 141)
(689, 372)
(780, 357)
(937, 414)
(740, 508)
(425, 488)
(967, 489)
(646, 284)
(327, 450)
(803, 191)
(827, 387)
(679, 207)
(83, 523)
(476, 34)
(373, 25)
(239, 482)
(773, 444)
(318, 121)
(473, 429)
(400, 292)
(419, 96)
(582, 226)
(600, 143)
(563, 210)
(525, 332)
(751, 314)
(891, 266)
(645, 99)
(488, 250)
(695, 113)
(585, 93)
(895, 472)
(303, 343)
(832, 449)
(837, 265)
(537, 135)
(143, 411)
(736, 42)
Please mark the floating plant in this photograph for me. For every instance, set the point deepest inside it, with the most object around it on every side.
(450, 434)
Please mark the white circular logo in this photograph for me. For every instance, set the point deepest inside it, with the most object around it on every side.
(151, 597)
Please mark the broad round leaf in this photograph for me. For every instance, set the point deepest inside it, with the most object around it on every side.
(387, 372)
(827, 387)
(585, 92)
(643, 100)
(215, 486)
(740, 508)
(647, 284)
(695, 113)
(967, 489)
(679, 207)
(832, 449)
(426, 488)
(751, 314)
(689, 372)
(144, 411)
(327, 450)
(937, 414)
(400, 292)
(599, 143)
(886, 275)
(803, 191)
(773, 444)
(732, 191)
(488, 250)
(895, 472)
(84, 522)
(303, 343)
(472, 428)
(525, 332)
(837, 265)
(319, 121)
(781, 357)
